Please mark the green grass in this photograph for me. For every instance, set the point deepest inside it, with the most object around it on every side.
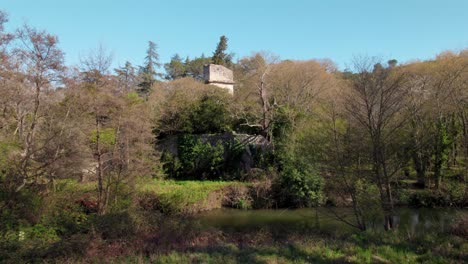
(192, 244)
(171, 195)
(72, 186)
(368, 248)
(186, 196)
(172, 186)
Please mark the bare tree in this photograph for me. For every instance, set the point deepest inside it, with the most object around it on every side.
(254, 88)
(343, 158)
(119, 126)
(298, 84)
(42, 65)
(377, 97)
(420, 127)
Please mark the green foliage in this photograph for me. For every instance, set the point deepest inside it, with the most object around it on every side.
(26, 244)
(282, 124)
(210, 115)
(454, 195)
(133, 98)
(204, 158)
(170, 164)
(122, 198)
(457, 193)
(403, 196)
(239, 196)
(298, 183)
(19, 209)
(171, 196)
(300, 186)
(106, 137)
(195, 66)
(67, 217)
(6, 148)
(427, 198)
(176, 68)
(198, 158)
(233, 151)
(148, 71)
(204, 114)
(368, 198)
(219, 56)
(115, 225)
(442, 142)
(243, 204)
(38, 232)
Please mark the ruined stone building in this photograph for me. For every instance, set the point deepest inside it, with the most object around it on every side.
(220, 76)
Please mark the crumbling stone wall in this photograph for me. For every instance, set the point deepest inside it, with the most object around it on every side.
(250, 144)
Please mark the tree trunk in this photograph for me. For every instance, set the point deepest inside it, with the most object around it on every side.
(265, 110)
(99, 168)
(420, 165)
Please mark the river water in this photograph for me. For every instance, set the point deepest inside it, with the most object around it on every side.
(408, 220)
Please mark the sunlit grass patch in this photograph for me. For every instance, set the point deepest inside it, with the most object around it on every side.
(185, 195)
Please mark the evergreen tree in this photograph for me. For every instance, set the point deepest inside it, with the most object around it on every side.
(148, 72)
(127, 76)
(220, 56)
(195, 67)
(176, 68)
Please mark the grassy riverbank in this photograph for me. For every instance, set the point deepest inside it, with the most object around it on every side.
(171, 196)
(315, 249)
(183, 244)
(156, 225)
(168, 196)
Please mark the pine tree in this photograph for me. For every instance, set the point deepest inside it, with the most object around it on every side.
(127, 76)
(219, 56)
(148, 72)
(176, 68)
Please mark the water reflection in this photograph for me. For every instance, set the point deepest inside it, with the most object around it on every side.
(408, 220)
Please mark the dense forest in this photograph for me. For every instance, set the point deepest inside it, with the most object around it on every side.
(85, 174)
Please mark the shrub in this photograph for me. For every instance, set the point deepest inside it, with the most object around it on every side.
(299, 186)
(368, 199)
(262, 193)
(200, 160)
(27, 244)
(68, 219)
(23, 208)
(456, 193)
(232, 168)
(115, 225)
(74, 246)
(238, 196)
(210, 115)
(207, 111)
(459, 227)
(39, 233)
(171, 165)
(403, 196)
(427, 198)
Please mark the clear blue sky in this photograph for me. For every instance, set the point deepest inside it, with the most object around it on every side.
(400, 29)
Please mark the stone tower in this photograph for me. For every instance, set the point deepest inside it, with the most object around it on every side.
(220, 76)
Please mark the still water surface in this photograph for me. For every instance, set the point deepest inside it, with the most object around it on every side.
(409, 220)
